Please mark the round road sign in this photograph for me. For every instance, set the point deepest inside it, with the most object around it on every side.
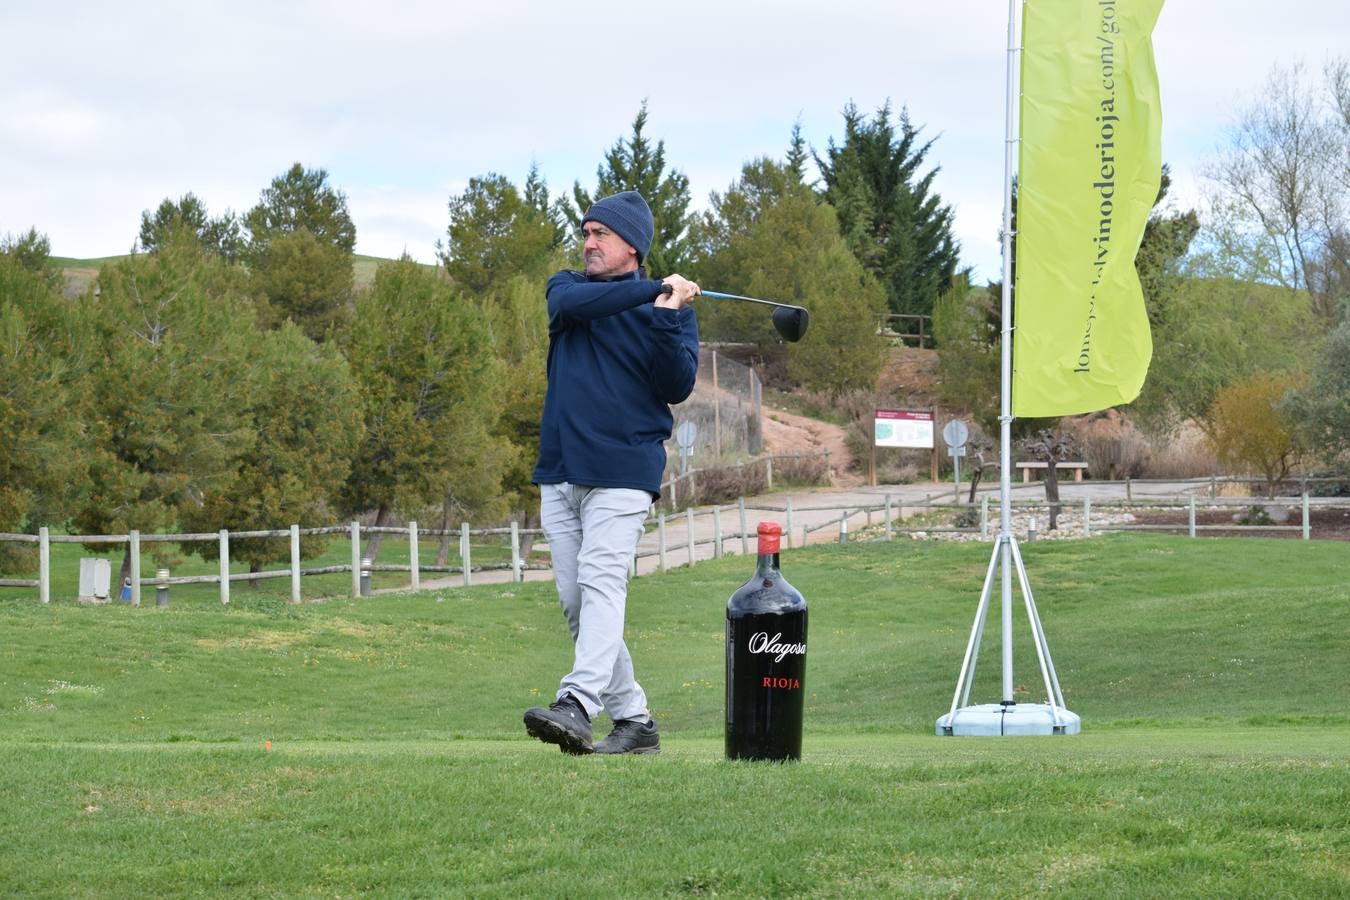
(955, 433)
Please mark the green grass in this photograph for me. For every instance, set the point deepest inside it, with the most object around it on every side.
(1211, 677)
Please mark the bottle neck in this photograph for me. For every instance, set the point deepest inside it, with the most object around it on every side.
(767, 564)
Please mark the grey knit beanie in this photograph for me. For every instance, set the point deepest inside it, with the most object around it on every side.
(628, 216)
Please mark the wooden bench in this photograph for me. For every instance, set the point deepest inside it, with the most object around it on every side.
(1078, 468)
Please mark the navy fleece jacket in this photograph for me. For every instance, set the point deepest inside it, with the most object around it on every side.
(615, 363)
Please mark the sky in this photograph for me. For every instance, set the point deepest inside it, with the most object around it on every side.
(111, 107)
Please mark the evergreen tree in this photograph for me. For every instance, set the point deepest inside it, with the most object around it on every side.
(798, 154)
(32, 252)
(301, 238)
(519, 330)
(500, 250)
(222, 235)
(301, 198)
(1167, 239)
(428, 380)
(303, 406)
(718, 239)
(168, 355)
(889, 214)
(770, 236)
(300, 279)
(495, 233)
(635, 165)
(966, 321)
(555, 210)
(41, 404)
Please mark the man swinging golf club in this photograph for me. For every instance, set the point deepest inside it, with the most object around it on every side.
(622, 347)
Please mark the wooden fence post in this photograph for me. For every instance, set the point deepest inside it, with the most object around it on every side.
(1307, 522)
(740, 505)
(1087, 517)
(45, 564)
(356, 559)
(717, 532)
(135, 538)
(1191, 517)
(661, 540)
(689, 526)
(224, 554)
(464, 553)
(516, 574)
(294, 563)
(768, 472)
(414, 551)
(787, 532)
(717, 413)
(889, 532)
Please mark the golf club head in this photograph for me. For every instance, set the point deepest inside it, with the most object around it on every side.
(791, 322)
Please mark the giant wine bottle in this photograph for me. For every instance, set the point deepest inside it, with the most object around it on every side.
(766, 660)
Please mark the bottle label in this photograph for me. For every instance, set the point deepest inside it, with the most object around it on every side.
(766, 685)
(760, 642)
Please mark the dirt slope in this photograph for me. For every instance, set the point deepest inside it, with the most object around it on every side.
(909, 380)
(786, 432)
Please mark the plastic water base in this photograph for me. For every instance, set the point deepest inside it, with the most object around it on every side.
(997, 720)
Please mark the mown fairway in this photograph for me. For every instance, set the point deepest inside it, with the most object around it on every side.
(1212, 678)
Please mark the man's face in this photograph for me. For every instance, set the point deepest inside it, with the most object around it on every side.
(604, 252)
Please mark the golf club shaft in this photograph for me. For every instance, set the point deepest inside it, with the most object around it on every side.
(720, 296)
(717, 295)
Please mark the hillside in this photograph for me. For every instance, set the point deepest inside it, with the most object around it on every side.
(909, 380)
(79, 272)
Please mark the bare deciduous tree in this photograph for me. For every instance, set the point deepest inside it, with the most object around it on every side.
(1278, 202)
(1052, 446)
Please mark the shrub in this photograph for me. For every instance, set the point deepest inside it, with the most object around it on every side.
(723, 484)
(1111, 446)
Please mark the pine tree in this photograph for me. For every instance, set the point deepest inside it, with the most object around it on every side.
(501, 247)
(635, 165)
(42, 404)
(536, 195)
(889, 214)
(302, 404)
(770, 236)
(167, 356)
(301, 238)
(428, 379)
(301, 198)
(496, 233)
(222, 234)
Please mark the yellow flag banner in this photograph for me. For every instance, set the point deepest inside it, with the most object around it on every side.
(1088, 172)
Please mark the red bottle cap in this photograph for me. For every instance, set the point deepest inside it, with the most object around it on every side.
(770, 535)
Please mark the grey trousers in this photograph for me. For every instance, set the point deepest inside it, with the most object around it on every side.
(592, 534)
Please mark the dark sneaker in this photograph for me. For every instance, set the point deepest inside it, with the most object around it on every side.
(631, 736)
(564, 723)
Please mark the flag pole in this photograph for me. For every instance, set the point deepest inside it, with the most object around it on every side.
(1010, 140)
(1006, 717)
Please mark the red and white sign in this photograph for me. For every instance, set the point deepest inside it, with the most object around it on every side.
(904, 428)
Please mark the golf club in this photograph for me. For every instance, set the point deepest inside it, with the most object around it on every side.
(789, 321)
